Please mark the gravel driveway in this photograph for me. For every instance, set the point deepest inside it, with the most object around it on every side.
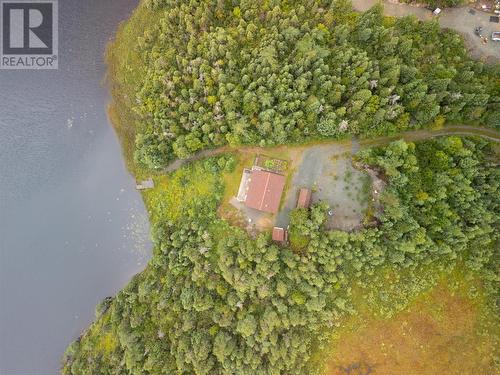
(328, 171)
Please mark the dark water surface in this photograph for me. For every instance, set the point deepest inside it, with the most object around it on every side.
(73, 230)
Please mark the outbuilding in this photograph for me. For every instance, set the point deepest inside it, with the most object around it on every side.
(280, 234)
(304, 200)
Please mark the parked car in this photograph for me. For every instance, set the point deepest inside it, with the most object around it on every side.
(495, 36)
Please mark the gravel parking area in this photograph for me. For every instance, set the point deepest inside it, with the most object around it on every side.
(458, 19)
(461, 20)
(329, 173)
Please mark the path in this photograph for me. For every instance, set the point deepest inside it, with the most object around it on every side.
(458, 19)
(345, 146)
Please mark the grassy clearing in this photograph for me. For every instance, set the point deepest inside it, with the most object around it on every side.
(447, 330)
(172, 194)
(286, 190)
(232, 179)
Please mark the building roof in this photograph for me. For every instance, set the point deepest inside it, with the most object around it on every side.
(304, 200)
(279, 234)
(264, 191)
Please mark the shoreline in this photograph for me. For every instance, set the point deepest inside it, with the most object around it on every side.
(122, 119)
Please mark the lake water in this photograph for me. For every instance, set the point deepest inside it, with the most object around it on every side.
(73, 230)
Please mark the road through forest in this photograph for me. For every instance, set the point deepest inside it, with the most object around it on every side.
(346, 144)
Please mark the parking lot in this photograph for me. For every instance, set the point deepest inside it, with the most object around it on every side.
(458, 19)
(464, 21)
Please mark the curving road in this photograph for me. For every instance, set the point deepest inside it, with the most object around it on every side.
(347, 145)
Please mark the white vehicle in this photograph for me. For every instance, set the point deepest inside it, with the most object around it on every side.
(495, 36)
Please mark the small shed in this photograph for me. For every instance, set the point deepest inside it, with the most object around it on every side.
(304, 200)
(279, 234)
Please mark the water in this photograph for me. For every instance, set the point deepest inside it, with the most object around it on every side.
(73, 230)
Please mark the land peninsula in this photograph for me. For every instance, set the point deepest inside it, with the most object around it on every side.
(325, 195)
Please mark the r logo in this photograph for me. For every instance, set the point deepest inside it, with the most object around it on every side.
(29, 34)
(27, 28)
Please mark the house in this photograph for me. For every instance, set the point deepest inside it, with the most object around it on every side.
(264, 190)
(304, 200)
(280, 234)
(261, 189)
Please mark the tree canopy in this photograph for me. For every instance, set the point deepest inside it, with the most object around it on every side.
(214, 300)
(271, 72)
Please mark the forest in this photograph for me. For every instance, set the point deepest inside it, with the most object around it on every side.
(211, 73)
(214, 300)
(200, 74)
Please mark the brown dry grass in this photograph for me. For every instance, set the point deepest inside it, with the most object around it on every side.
(439, 334)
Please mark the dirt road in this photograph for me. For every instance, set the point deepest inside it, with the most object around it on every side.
(345, 145)
(458, 19)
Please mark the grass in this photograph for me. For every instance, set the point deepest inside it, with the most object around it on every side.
(286, 189)
(298, 241)
(107, 343)
(232, 179)
(126, 70)
(104, 340)
(442, 331)
(172, 194)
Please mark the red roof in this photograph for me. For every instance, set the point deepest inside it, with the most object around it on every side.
(304, 198)
(264, 191)
(279, 234)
